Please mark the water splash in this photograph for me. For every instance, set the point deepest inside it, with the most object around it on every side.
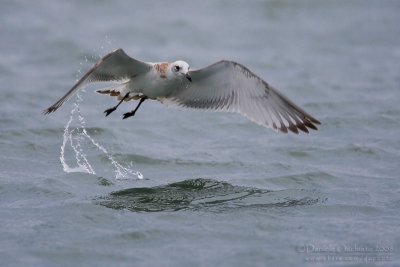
(75, 139)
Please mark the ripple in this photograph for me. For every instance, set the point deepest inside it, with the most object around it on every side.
(307, 179)
(94, 131)
(150, 160)
(204, 195)
(12, 134)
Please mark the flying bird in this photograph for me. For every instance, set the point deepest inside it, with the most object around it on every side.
(222, 86)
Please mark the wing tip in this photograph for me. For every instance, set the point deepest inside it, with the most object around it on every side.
(313, 120)
(51, 109)
(303, 126)
(309, 124)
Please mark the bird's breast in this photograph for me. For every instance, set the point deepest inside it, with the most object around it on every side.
(154, 86)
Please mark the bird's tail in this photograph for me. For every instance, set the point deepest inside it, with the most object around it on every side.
(108, 91)
(119, 92)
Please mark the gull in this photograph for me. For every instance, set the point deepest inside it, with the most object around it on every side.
(222, 86)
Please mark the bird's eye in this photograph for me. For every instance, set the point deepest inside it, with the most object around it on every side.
(177, 68)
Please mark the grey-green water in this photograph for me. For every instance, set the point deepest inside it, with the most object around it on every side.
(217, 190)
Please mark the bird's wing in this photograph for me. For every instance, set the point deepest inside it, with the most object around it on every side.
(229, 86)
(115, 66)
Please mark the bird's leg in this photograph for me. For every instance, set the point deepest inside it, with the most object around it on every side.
(110, 110)
(132, 113)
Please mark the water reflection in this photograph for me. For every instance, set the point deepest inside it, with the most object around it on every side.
(204, 195)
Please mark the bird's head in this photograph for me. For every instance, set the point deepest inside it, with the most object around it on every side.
(181, 69)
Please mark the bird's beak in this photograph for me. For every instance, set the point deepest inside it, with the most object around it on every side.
(188, 77)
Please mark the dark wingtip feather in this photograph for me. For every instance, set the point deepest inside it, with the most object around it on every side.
(302, 128)
(283, 129)
(48, 111)
(310, 125)
(313, 120)
(51, 109)
(293, 129)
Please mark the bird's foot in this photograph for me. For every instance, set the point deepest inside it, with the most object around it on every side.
(109, 111)
(129, 114)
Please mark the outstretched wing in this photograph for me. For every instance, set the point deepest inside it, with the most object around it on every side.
(229, 86)
(115, 66)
